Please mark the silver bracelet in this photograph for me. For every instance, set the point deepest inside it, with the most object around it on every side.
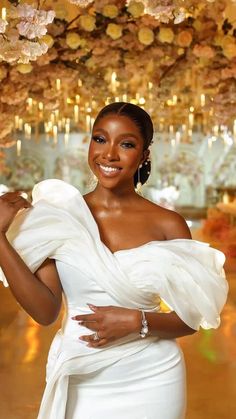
(144, 329)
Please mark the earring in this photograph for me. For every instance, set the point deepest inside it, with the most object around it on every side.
(139, 184)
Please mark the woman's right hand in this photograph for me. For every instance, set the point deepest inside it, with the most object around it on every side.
(10, 204)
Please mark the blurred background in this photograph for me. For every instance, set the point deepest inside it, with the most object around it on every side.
(60, 62)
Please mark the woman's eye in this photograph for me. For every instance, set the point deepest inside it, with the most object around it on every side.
(98, 139)
(127, 144)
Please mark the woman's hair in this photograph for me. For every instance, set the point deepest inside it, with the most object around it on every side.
(144, 124)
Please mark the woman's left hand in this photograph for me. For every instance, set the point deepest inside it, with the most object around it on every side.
(108, 324)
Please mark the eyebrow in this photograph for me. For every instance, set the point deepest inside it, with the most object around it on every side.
(128, 134)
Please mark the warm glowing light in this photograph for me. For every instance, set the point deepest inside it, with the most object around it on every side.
(88, 123)
(18, 148)
(58, 84)
(203, 99)
(225, 198)
(54, 131)
(174, 100)
(76, 113)
(32, 341)
(4, 13)
(17, 121)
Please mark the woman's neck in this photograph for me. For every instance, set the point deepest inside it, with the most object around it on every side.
(114, 198)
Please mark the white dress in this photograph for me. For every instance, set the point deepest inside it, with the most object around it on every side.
(133, 378)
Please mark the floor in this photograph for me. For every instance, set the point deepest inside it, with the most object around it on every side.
(210, 358)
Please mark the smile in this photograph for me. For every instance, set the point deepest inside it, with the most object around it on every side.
(109, 169)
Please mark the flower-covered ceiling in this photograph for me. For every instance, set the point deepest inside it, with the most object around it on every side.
(61, 60)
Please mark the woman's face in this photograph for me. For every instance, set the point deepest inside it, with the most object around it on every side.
(116, 150)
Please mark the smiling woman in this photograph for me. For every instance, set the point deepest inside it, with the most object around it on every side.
(116, 257)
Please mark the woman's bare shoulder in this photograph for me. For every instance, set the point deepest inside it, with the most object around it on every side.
(172, 224)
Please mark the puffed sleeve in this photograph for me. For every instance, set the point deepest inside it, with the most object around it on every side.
(40, 232)
(189, 276)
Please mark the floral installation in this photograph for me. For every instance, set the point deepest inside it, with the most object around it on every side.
(220, 227)
(21, 33)
(180, 164)
(67, 58)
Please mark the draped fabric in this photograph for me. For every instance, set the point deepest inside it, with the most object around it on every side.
(188, 275)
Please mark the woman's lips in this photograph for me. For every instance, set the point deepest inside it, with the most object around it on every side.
(109, 170)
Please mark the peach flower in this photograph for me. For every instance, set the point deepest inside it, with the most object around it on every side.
(203, 51)
(24, 68)
(166, 35)
(110, 10)
(114, 31)
(146, 36)
(184, 39)
(73, 40)
(87, 22)
(136, 9)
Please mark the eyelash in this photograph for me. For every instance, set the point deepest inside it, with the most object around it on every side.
(101, 140)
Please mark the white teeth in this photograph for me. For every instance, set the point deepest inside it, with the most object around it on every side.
(109, 169)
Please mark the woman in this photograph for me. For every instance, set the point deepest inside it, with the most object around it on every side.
(116, 256)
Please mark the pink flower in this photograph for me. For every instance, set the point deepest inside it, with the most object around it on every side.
(203, 51)
(3, 25)
(34, 21)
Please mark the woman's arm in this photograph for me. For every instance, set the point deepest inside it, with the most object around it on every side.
(40, 293)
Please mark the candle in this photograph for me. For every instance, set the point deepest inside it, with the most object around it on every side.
(174, 100)
(225, 198)
(191, 119)
(77, 99)
(58, 84)
(76, 113)
(4, 13)
(113, 81)
(18, 148)
(88, 123)
(177, 137)
(67, 126)
(30, 104)
(54, 131)
(124, 97)
(202, 100)
(234, 130)
(17, 121)
(172, 142)
(27, 129)
(209, 142)
(80, 83)
(40, 106)
(20, 126)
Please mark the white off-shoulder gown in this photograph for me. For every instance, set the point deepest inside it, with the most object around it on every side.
(133, 378)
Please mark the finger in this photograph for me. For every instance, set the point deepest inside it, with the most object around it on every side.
(21, 203)
(8, 196)
(90, 338)
(97, 344)
(85, 317)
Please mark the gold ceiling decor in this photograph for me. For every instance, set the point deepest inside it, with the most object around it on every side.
(61, 60)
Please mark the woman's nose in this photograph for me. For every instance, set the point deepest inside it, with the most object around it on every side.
(111, 153)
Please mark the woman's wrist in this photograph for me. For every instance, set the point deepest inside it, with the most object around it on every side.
(136, 321)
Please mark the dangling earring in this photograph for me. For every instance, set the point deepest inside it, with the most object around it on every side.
(139, 184)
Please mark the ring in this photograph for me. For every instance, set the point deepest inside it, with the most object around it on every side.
(96, 336)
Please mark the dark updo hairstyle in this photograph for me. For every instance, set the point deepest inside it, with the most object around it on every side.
(144, 124)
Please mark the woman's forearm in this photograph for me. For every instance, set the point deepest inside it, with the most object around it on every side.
(166, 325)
(34, 296)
